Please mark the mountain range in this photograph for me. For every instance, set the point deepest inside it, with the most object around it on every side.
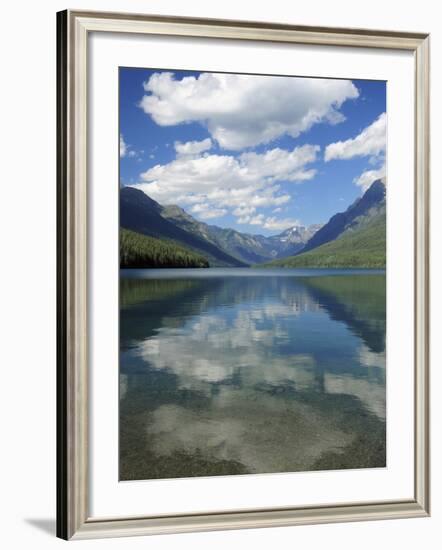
(222, 247)
(355, 237)
(367, 207)
(141, 214)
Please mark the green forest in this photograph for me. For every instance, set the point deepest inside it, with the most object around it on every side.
(139, 251)
(364, 248)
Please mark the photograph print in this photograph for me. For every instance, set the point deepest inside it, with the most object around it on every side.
(252, 274)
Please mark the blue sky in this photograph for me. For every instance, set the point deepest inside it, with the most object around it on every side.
(256, 153)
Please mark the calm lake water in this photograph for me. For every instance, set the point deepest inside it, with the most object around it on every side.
(236, 371)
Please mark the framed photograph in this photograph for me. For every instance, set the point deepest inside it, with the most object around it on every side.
(242, 275)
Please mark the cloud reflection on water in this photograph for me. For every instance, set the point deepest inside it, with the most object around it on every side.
(278, 371)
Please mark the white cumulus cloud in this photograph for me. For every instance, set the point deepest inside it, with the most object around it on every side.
(371, 142)
(277, 164)
(256, 220)
(192, 147)
(369, 176)
(242, 111)
(213, 185)
(123, 146)
(207, 212)
(270, 222)
(128, 151)
(244, 210)
(276, 224)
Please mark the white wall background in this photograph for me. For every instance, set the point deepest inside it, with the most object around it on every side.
(27, 289)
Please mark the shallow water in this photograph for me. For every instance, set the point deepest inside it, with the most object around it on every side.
(236, 371)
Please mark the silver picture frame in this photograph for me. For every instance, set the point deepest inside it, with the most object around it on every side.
(73, 518)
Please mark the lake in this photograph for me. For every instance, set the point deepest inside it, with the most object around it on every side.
(238, 371)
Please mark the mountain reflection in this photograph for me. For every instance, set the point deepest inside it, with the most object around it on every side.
(225, 375)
